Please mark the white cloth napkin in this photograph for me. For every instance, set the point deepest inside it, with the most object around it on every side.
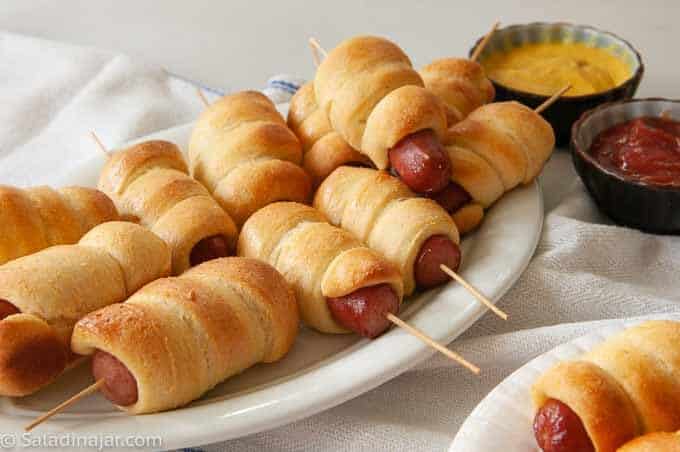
(585, 269)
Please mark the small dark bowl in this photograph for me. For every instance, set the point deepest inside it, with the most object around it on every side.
(635, 204)
(563, 113)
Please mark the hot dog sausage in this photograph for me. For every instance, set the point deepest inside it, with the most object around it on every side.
(421, 162)
(7, 309)
(452, 198)
(209, 248)
(364, 311)
(120, 386)
(558, 429)
(436, 250)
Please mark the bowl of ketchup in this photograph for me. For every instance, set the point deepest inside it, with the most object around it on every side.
(628, 156)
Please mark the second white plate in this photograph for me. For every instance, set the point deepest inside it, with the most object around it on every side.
(503, 419)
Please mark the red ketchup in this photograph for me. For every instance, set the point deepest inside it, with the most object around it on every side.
(643, 150)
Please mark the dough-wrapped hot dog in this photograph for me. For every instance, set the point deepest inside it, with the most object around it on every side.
(383, 213)
(149, 182)
(507, 138)
(376, 101)
(460, 83)
(33, 219)
(654, 442)
(627, 386)
(497, 147)
(324, 149)
(178, 337)
(340, 284)
(52, 289)
(243, 152)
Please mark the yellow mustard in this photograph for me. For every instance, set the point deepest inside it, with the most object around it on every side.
(545, 68)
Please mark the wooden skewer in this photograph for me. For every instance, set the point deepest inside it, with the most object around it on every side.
(57, 409)
(202, 96)
(485, 40)
(316, 50)
(432, 343)
(99, 143)
(391, 317)
(552, 99)
(481, 298)
(314, 45)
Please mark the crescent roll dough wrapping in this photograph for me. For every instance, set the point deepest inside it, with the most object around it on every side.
(507, 137)
(181, 336)
(150, 183)
(627, 386)
(317, 259)
(324, 149)
(242, 151)
(56, 287)
(373, 97)
(460, 83)
(33, 219)
(654, 442)
(383, 213)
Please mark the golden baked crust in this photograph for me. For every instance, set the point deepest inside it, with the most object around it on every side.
(497, 148)
(513, 140)
(383, 213)
(243, 152)
(92, 207)
(56, 287)
(32, 354)
(329, 153)
(324, 149)
(353, 82)
(179, 337)
(468, 217)
(625, 387)
(474, 173)
(460, 83)
(400, 113)
(38, 217)
(150, 182)
(533, 134)
(307, 121)
(142, 256)
(317, 259)
(652, 389)
(653, 442)
(595, 396)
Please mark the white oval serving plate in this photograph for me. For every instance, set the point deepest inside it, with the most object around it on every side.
(503, 419)
(322, 370)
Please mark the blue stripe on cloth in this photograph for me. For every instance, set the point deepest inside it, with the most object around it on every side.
(284, 85)
(191, 449)
(195, 83)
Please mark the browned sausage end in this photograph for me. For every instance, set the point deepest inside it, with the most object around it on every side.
(7, 309)
(558, 429)
(209, 248)
(452, 197)
(364, 311)
(437, 250)
(421, 162)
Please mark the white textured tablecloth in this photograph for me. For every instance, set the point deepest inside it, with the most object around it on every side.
(585, 269)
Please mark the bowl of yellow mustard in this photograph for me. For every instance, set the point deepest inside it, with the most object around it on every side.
(530, 62)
